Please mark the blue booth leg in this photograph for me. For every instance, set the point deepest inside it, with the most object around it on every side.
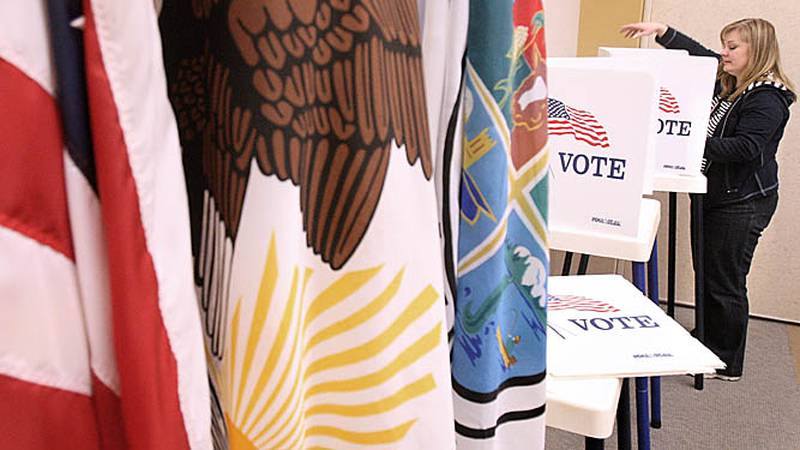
(642, 414)
(624, 417)
(642, 410)
(653, 293)
(655, 402)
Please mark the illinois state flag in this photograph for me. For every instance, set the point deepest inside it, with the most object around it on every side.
(100, 342)
(498, 344)
(307, 157)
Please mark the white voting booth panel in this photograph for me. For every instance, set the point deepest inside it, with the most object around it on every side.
(626, 51)
(601, 325)
(630, 248)
(645, 155)
(686, 85)
(601, 123)
(584, 406)
(679, 182)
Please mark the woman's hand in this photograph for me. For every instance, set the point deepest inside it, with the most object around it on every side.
(640, 29)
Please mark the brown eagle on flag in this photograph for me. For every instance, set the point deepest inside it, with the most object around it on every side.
(312, 91)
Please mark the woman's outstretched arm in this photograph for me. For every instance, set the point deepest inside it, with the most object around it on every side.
(666, 36)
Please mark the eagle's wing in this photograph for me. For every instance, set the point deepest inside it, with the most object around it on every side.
(218, 142)
(333, 84)
(313, 91)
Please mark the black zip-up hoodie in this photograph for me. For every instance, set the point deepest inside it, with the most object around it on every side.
(741, 152)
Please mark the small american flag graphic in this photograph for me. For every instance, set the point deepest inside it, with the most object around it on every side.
(667, 102)
(579, 303)
(582, 125)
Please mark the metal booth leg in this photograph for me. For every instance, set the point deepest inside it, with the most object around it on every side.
(671, 252)
(697, 254)
(595, 444)
(567, 266)
(583, 264)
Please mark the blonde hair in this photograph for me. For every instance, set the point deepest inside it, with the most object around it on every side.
(764, 60)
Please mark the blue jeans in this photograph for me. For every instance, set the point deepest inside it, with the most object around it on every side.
(730, 235)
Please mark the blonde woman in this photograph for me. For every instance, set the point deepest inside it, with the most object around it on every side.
(748, 116)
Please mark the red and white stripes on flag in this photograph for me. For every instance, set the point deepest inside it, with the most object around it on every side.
(100, 341)
(667, 102)
(578, 303)
(563, 119)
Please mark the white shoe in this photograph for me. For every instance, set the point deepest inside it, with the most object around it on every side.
(721, 376)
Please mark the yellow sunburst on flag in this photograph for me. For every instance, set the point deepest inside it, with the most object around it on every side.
(280, 388)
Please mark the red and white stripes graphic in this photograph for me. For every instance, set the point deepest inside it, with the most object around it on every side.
(578, 303)
(667, 102)
(100, 342)
(582, 125)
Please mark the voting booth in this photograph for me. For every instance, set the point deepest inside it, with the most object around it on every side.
(686, 85)
(600, 329)
(685, 89)
(605, 324)
(597, 163)
(602, 125)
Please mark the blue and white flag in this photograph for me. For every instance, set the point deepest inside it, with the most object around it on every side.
(498, 338)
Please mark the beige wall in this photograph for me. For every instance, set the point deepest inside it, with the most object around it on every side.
(775, 277)
(561, 31)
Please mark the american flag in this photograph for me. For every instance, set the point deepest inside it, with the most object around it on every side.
(667, 102)
(579, 303)
(100, 341)
(582, 125)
